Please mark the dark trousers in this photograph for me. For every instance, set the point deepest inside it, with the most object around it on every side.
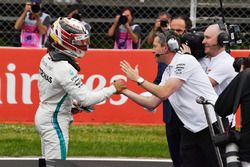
(197, 149)
(173, 133)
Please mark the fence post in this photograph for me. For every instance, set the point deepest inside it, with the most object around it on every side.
(193, 10)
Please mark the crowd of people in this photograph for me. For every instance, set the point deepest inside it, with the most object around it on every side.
(180, 79)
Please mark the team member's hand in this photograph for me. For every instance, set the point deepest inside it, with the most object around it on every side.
(120, 85)
(132, 74)
(185, 49)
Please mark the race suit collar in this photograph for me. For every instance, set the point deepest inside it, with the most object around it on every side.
(59, 56)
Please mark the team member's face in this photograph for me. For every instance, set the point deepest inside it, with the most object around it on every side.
(128, 14)
(158, 49)
(178, 26)
(210, 41)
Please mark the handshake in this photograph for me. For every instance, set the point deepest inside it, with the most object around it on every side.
(120, 85)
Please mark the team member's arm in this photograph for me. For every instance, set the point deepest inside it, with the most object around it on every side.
(160, 91)
(149, 102)
(221, 73)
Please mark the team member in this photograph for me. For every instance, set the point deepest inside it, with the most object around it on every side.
(179, 25)
(59, 85)
(218, 64)
(182, 82)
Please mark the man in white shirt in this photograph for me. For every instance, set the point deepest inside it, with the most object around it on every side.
(218, 64)
(182, 82)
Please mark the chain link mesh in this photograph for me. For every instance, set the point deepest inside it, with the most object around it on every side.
(100, 14)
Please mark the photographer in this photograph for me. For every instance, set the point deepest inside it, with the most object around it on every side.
(238, 93)
(125, 33)
(161, 25)
(34, 25)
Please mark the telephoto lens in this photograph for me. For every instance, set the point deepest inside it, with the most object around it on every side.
(232, 155)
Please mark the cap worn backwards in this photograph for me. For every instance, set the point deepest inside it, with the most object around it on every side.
(36, 1)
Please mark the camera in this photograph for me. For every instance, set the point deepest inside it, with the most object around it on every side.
(234, 34)
(35, 7)
(163, 23)
(194, 41)
(230, 141)
(241, 61)
(226, 138)
(123, 19)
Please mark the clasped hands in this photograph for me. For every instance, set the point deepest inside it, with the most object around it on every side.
(120, 85)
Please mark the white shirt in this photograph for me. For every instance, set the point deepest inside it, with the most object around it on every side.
(196, 83)
(219, 68)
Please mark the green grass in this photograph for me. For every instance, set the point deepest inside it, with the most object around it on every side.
(89, 140)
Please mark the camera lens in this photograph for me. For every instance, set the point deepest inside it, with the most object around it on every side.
(163, 23)
(123, 19)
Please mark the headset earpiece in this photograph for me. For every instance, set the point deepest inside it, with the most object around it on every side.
(173, 44)
(172, 41)
(223, 37)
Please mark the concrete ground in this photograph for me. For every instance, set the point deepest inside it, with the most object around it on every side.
(86, 162)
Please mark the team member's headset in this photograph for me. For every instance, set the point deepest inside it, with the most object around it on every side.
(172, 42)
(223, 38)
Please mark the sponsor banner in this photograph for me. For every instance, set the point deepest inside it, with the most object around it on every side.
(19, 97)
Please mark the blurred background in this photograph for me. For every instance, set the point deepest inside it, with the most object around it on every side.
(100, 14)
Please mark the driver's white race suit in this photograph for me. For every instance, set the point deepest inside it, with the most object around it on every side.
(59, 84)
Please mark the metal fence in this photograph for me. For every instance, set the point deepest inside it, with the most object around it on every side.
(100, 14)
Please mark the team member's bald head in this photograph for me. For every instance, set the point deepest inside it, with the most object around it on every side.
(212, 48)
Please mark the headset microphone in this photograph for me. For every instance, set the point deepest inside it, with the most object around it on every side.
(158, 54)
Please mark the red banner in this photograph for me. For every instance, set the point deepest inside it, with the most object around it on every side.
(19, 96)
